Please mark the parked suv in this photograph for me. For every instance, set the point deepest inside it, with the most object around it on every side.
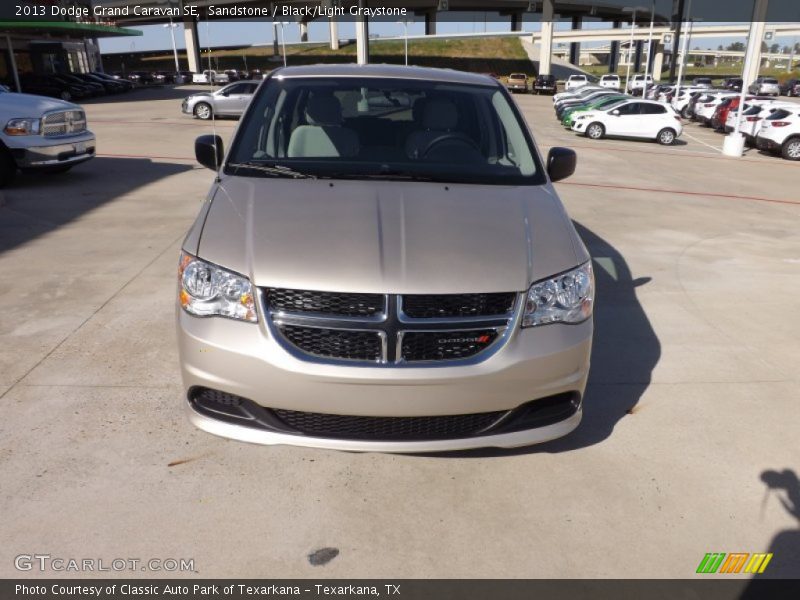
(764, 86)
(41, 134)
(780, 132)
(383, 263)
(790, 87)
(637, 84)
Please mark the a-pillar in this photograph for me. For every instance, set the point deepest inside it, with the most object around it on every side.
(750, 72)
(192, 44)
(334, 33)
(575, 47)
(430, 22)
(362, 40)
(546, 38)
(613, 52)
(637, 56)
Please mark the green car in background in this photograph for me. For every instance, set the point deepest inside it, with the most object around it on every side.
(601, 104)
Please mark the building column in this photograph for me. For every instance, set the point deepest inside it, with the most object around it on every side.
(546, 39)
(658, 59)
(430, 22)
(362, 40)
(13, 63)
(334, 33)
(575, 47)
(516, 21)
(613, 51)
(192, 44)
(637, 56)
(303, 31)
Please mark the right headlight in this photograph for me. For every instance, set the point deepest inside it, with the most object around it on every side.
(565, 298)
(207, 290)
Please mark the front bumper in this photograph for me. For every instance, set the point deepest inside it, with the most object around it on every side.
(60, 151)
(242, 359)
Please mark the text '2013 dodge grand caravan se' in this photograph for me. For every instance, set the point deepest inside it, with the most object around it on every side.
(382, 263)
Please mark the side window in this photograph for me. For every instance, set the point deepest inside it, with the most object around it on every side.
(653, 109)
(238, 88)
(632, 108)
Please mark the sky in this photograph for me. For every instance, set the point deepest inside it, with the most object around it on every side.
(222, 33)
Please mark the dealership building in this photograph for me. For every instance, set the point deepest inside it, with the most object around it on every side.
(67, 43)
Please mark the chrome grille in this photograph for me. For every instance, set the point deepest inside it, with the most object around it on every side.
(63, 122)
(388, 330)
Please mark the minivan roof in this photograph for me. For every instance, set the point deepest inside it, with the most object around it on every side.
(386, 71)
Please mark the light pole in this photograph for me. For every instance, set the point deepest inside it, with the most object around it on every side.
(405, 23)
(172, 27)
(631, 10)
(684, 42)
(649, 48)
(283, 41)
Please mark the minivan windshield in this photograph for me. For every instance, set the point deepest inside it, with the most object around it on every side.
(392, 128)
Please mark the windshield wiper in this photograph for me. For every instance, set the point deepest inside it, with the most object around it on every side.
(276, 170)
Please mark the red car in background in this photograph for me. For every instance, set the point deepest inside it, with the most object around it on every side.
(721, 113)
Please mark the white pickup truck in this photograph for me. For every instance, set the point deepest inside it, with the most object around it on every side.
(42, 134)
(210, 76)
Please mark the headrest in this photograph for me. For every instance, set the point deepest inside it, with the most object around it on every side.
(323, 110)
(440, 115)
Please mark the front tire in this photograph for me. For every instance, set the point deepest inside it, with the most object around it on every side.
(666, 137)
(595, 131)
(203, 111)
(685, 112)
(791, 149)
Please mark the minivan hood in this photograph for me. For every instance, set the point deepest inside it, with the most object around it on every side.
(388, 236)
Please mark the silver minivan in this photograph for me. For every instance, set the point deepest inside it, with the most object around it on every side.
(382, 263)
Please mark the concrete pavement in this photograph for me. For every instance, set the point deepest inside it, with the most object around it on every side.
(691, 407)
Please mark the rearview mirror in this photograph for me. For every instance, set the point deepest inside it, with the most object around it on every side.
(209, 151)
(561, 163)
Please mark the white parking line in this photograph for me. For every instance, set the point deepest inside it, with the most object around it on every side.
(689, 135)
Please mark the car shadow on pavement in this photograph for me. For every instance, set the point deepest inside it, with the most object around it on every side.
(37, 204)
(625, 350)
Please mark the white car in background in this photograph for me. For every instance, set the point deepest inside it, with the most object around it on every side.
(610, 81)
(577, 93)
(755, 111)
(635, 118)
(636, 85)
(765, 86)
(576, 81)
(706, 105)
(680, 101)
(780, 132)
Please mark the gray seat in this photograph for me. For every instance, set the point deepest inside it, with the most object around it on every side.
(323, 136)
(439, 118)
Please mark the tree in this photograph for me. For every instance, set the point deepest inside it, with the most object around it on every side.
(720, 47)
(764, 47)
(737, 46)
(775, 48)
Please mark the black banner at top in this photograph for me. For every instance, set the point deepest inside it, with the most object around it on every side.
(522, 11)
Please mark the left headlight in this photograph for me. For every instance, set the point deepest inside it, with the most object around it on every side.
(207, 290)
(565, 298)
(22, 127)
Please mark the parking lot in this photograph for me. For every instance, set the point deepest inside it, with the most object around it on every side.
(690, 416)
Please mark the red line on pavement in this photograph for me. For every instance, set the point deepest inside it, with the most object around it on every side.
(681, 192)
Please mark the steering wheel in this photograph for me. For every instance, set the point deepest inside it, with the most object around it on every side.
(450, 137)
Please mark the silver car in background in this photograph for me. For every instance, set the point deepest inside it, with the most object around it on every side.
(228, 101)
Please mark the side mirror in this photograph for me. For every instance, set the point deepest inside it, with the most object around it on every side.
(615, 112)
(561, 163)
(209, 151)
